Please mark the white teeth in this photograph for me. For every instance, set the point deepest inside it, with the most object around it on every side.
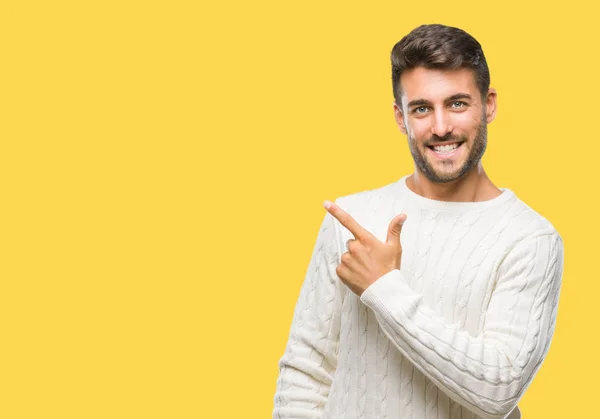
(445, 148)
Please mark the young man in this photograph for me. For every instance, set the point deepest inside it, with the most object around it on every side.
(434, 296)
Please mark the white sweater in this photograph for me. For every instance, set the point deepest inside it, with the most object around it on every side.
(458, 332)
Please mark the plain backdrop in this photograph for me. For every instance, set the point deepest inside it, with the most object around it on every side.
(163, 166)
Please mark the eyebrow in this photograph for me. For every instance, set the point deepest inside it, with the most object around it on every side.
(423, 102)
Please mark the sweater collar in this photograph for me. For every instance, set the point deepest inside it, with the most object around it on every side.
(506, 196)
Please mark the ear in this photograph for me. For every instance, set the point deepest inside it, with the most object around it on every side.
(399, 118)
(491, 105)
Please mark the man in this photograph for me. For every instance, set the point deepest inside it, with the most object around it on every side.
(434, 296)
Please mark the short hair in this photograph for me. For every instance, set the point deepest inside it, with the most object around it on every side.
(439, 47)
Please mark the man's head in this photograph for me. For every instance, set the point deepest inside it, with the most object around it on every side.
(442, 97)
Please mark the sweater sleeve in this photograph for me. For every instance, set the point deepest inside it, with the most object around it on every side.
(310, 359)
(487, 373)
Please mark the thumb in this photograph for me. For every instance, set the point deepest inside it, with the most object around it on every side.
(395, 228)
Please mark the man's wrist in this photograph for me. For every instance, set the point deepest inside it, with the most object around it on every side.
(380, 285)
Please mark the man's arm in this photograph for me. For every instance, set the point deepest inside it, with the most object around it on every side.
(487, 373)
(310, 359)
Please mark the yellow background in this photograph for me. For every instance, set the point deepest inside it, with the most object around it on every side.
(163, 166)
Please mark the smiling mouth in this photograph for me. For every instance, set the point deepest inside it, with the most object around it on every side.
(446, 148)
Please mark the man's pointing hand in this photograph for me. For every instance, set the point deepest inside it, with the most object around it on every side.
(367, 258)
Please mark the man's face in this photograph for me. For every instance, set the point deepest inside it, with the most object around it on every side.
(445, 108)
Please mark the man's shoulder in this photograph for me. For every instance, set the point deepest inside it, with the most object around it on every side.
(526, 231)
(371, 208)
(525, 221)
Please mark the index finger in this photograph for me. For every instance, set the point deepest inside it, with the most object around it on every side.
(347, 221)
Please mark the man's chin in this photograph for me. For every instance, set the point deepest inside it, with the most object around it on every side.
(443, 177)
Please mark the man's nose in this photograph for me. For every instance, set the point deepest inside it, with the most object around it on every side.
(441, 124)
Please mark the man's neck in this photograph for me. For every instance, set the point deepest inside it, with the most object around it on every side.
(475, 186)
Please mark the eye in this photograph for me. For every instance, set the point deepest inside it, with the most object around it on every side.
(458, 104)
(420, 109)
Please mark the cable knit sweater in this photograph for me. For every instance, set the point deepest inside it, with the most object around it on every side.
(459, 331)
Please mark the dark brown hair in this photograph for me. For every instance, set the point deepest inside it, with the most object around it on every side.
(439, 47)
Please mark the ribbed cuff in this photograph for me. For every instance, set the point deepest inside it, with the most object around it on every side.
(391, 293)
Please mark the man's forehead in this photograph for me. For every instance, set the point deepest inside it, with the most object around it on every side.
(433, 84)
